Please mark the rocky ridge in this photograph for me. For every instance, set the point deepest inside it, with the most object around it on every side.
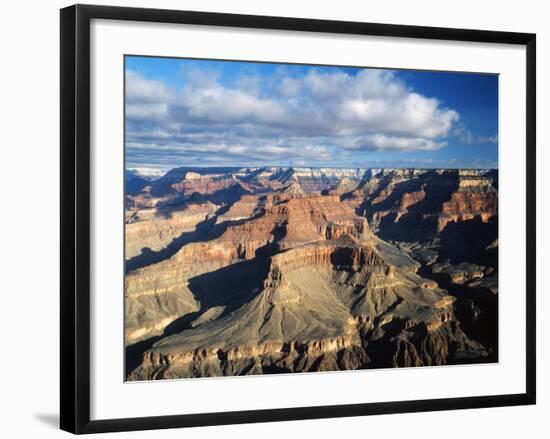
(285, 274)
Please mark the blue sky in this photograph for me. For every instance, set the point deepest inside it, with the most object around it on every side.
(217, 113)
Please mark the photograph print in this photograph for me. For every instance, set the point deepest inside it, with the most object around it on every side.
(284, 218)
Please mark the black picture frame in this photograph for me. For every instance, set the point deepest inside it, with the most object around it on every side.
(75, 217)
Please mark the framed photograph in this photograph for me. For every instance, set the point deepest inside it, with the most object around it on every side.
(268, 218)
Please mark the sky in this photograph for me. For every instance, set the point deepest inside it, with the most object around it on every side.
(197, 113)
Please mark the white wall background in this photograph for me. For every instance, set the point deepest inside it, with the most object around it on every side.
(29, 247)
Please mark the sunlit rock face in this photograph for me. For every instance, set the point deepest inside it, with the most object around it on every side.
(233, 271)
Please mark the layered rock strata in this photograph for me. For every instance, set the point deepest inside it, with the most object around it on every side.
(334, 305)
(269, 270)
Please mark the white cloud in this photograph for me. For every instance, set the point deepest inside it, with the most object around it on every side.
(381, 142)
(146, 111)
(466, 136)
(283, 117)
(145, 90)
(220, 104)
(289, 87)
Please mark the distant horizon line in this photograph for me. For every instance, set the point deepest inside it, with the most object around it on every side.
(315, 167)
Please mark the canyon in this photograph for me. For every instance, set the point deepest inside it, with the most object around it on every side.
(238, 271)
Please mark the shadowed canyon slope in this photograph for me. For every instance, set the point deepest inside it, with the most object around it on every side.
(234, 271)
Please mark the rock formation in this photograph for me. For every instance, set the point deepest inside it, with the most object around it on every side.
(286, 275)
(154, 229)
(323, 306)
